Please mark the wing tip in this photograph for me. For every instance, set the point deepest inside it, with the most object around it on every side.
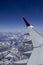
(26, 22)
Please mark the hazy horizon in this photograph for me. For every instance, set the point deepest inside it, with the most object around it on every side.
(11, 12)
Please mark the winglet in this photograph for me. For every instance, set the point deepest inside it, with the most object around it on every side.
(26, 22)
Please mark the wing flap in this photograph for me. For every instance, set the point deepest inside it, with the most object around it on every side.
(21, 62)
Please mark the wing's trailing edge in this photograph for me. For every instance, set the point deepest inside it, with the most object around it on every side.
(21, 62)
(28, 52)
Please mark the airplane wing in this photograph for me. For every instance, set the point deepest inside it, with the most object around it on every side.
(36, 57)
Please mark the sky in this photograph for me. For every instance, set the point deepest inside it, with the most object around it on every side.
(11, 12)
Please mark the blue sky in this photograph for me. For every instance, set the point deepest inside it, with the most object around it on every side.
(11, 12)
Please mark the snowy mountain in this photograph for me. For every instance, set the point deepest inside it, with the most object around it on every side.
(12, 46)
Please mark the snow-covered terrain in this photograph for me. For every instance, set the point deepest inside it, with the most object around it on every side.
(12, 47)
